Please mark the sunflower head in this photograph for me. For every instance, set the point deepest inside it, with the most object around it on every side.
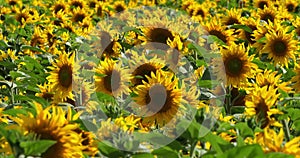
(159, 99)
(237, 66)
(111, 79)
(62, 76)
(260, 103)
(280, 46)
(51, 124)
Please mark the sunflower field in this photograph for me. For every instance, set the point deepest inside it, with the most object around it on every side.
(150, 78)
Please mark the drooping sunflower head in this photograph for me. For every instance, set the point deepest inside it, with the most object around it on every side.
(111, 78)
(51, 124)
(237, 66)
(62, 76)
(159, 99)
(280, 46)
(260, 103)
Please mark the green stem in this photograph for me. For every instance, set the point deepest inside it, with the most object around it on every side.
(193, 147)
(228, 101)
(286, 130)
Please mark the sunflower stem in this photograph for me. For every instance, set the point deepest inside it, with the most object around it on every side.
(193, 147)
(12, 92)
(228, 101)
(286, 130)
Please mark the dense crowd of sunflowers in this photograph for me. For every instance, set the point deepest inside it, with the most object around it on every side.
(194, 78)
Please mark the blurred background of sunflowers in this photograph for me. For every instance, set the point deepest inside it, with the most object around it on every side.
(84, 78)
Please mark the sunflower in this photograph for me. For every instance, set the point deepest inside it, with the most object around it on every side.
(119, 6)
(74, 4)
(51, 124)
(280, 46)
(261, 103)
(107, 42)
(128, 123)
(273, 142)
(79, 15)
(262, 3)
(199, 12)
(296, 78)
(59, 5)
(233, 16)
(214, 27)
(159, 99)
(252, 24)
(236, 65)
(111, 79)
(141, 67)
(5, 148)
(88, 142)
(45, 92)
(159, 37)
(268, 14)
(38, 38)
(62, 76)
(272, 79)
(291, 5)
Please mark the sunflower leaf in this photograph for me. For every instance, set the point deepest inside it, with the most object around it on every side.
(244, 27)
(35, 148)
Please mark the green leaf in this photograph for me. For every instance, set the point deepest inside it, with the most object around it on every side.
(213, 38)
(23, 47)
(165, 152)
(244, 27)
(218, 144)
(244, 130)
(143, 155)
(244, 151)
(109, 151)
(35, 148)
(278, 155)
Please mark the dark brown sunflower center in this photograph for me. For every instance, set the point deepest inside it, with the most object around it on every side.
(141, 72)
(12, 3)
(268, 16)
(21, 16)
(76, 4)
(92, 4)
(65, 76)
(290, 7)
(119, 8)
(219, 34)
(156, 98)
(79, 17)
(261, 110)
(160, 35)
(233, 66)
(232, 21)
(112, 81)
(200, 12)
(262, 4)
(279, 48)
(59, 7)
